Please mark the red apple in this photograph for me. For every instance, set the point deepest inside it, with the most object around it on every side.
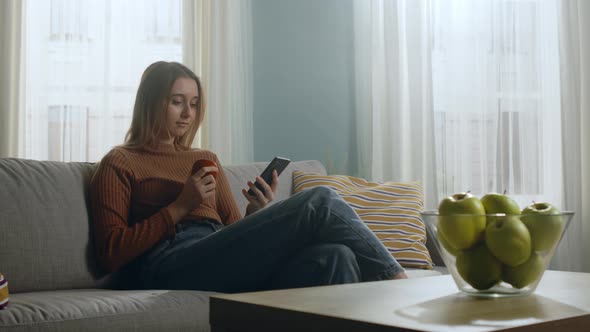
(203, 163)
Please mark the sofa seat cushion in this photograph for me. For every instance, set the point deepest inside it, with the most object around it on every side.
(104, 310)
(419, 273)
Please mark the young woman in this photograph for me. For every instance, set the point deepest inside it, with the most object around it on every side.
(184, 230)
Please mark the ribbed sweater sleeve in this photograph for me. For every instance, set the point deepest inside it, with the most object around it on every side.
(226, 205)
(116, 241)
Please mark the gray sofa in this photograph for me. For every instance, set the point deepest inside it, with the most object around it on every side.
(46, 255)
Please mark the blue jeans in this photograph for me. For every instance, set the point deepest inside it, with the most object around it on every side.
(313, 238)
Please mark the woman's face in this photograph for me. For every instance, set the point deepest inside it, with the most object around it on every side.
(181, 109)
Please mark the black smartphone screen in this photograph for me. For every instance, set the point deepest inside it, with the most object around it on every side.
(278, 163)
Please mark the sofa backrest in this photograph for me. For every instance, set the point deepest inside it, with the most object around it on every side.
(238, 176)
(44, 229)
(45, 241)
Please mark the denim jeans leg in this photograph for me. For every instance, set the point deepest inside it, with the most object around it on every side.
(186, 235)
(244, 256)
(318, 265)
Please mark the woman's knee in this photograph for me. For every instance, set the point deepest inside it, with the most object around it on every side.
(319, 195)
(336, 252)
(339, 264)
(323, 191)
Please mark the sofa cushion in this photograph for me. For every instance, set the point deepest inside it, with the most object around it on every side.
(3, 292)
(390, 209)
(420, 273)
(44, 233)
(106, 310)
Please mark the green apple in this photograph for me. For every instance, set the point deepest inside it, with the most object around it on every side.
(544, 224)
(509, 240)
(461, 220)
(499, 203)
(449, 248)
(479, 268)
(525, 273)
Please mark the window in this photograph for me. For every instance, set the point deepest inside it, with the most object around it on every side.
(84, 60)
(496, 97)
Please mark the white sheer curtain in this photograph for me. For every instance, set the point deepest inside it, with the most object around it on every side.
(83, 63)
(393, 92)
(496, 98)
(510, 99)
(10, 83)
(574, 251)
(218, 47)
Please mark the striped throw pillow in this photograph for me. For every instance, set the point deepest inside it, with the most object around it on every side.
(3, 292)
(390, 209)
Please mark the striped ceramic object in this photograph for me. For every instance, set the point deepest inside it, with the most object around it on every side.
(3, 292)
(390, 209)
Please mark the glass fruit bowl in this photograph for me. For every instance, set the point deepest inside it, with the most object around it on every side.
(506, 255)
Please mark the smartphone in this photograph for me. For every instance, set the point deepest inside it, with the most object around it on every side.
(279, 164)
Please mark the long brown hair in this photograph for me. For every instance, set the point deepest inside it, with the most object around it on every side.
(151, 104)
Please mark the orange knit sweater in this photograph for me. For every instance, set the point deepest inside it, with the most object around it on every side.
(129, 195)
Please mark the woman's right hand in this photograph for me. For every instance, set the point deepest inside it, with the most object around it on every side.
(198, 187)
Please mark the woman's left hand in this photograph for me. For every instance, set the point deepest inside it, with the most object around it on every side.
(261, 199)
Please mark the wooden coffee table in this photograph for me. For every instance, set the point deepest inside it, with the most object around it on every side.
(560, 303)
